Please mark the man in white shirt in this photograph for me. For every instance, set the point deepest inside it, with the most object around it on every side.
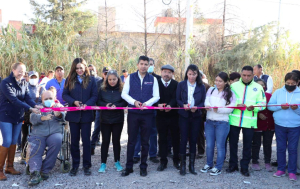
(258, 72)
(140, 90)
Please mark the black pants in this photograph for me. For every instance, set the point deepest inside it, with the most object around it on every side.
(96, 132)
(164, 125)
(201, 139)
(107, 130)
(189, 131)
(267, 145)
(83, 129)
(136, 123)
(247, 145)
(25, 127)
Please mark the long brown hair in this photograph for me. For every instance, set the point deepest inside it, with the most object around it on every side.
(73, 75)
(105, 82)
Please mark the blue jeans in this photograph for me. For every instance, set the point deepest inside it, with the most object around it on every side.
(216, 132)
(10, 133)
(19, 142)
(152, 142)
(287, 137)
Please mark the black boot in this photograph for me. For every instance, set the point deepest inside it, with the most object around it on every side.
(192, 164)
(176, 165)
(182, 164)
(35, 178)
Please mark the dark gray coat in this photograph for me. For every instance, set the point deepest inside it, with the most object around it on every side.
(46, 128)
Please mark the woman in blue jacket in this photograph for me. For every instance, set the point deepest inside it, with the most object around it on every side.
(287, 124)
(14, 101)
(190, 94)
(80, 90)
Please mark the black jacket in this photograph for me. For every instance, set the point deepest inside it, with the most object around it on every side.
(87, 96)
(168, 97)
(158, 77)
(111, 95)
(182, 98)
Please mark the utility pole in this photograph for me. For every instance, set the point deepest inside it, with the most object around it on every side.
(278, 19)
(224, 13)
(188, 30)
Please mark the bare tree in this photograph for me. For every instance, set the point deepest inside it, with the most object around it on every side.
(147, 21)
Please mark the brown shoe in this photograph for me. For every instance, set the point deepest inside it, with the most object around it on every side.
(3, 154)
(9, 169)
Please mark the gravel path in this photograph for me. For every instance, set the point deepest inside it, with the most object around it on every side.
(169, 178)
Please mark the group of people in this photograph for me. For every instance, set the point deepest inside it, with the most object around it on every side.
(190, 112)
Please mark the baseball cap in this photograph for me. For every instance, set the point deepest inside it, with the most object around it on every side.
(105, 69)
(57, 67)
(31, 73)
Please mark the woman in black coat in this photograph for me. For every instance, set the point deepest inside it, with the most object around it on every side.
(111, 121)
(190, 94)
(80, 90)
(14, 101)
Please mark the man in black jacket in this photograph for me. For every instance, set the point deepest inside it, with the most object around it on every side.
(167, 119)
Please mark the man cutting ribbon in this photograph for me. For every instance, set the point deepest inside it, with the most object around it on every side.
(248, 94)
(140, 90)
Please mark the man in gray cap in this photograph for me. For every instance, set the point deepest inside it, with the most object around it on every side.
(167, 119)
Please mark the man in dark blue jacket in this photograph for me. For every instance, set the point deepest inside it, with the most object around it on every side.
(140, 90)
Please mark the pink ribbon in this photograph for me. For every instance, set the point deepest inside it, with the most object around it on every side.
(69, 109)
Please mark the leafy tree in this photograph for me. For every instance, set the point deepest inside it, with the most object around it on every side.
(63, 11)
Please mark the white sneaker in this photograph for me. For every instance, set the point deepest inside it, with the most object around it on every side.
(215, 172)
(206, 168)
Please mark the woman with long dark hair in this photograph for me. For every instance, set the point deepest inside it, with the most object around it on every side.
(217, 125)
(80, 90)
(111, 121)
(190, 95)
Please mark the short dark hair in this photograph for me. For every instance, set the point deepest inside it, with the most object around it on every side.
(145, 58)
(259, 66)
(247, 68)
(91, 65)
(151, 59)
(291, 75)
(194, 68)
(124, 71)
(297, 72)
(234, 75)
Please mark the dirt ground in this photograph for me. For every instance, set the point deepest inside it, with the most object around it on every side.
(169, 178)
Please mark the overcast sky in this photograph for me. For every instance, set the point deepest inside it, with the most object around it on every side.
(251, 13)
